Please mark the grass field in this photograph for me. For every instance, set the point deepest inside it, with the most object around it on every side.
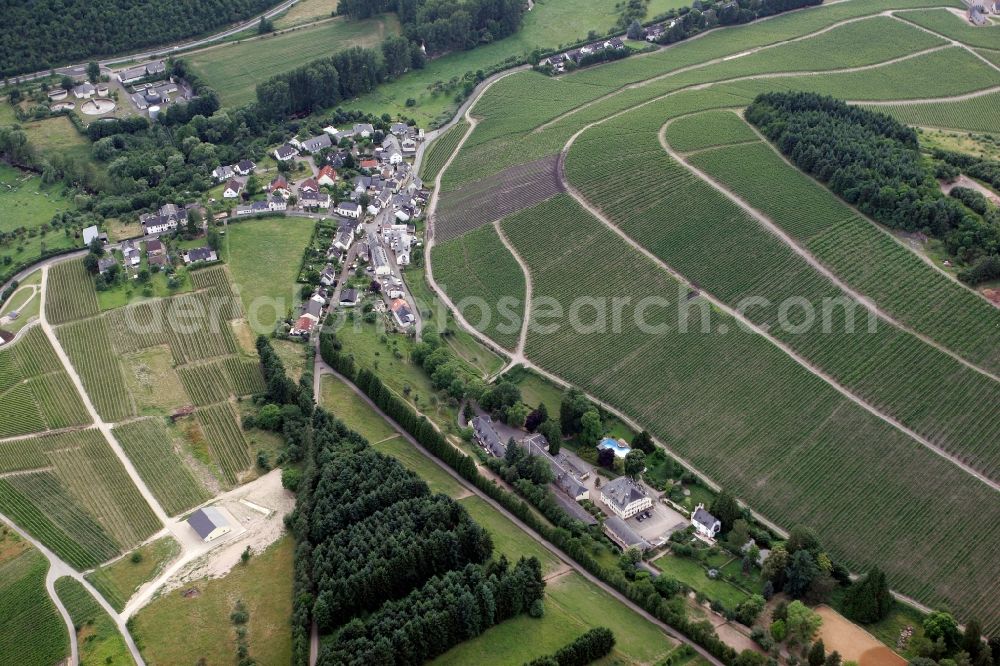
(153, 382)
(306, 11)
(119, 580)
(481, 256)
(263, 258)
(550, 24)
(234, 69)
(572, 606)
(57, 135)
(347, 406)
(98, 638)
(157, 458)
(29, 204)
(32, 631)
(265, 587)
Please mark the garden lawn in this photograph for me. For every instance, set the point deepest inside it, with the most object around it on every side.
(264, 257)
(120, 579)
(130, 292)
(694, 575)
(235, 69)
(264, 585)
(572, 606)
(29, 204)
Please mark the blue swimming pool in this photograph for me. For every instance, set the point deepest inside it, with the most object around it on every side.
(618, 447)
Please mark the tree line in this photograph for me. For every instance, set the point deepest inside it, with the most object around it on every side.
(873, 162)
(444, 25)
(41, 34)
(583, 650)
(707, 14)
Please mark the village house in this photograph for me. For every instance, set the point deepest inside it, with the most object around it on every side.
(154, 248)
(400, 129)
(327, 176)
(167, 218)
(705, 523)
(408, 145)
(364, 130)
(285, 152)
(223, 172)
(308, 185)
(244, 167)
(380, 260)
(316, 143)
(349, 298)
(625, 497)
(104, 264)
(200, 254)
(233, 189)
(566, 476)
(328, 277)
(401, 313)
(302, 328)
(486, 436)
(348, 209)
(280, 187)
(90, 234)
(314, 200)
(345, 236)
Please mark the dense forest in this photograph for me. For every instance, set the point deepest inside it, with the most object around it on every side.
(873, 162)
(400, 574)
(40, 34)
(445, 25)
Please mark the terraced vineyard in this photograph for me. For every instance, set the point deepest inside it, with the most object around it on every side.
(32, 632)
(975, 115)
(70, 293)
(947, 23)
(212, 382)
(216, 283)
(36, 392)
(962, 416)
(439, 151)
(88, 345)
(477, 270)
(70, 491)
(708, 130)
(228, 446)
(149, 446)
(735, 404)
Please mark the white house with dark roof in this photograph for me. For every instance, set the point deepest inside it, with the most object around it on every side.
(317, 143)
(364, 130)
(223, 172)
(285, 152)
(244, 167)
(348, 209)
(705, 523)
(209, 523)
(625, 497)
(233, 189)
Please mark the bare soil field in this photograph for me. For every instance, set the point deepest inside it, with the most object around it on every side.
(490, 199)
(852, 642)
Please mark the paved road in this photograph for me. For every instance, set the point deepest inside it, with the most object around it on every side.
(78, 69)
(566, 560)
